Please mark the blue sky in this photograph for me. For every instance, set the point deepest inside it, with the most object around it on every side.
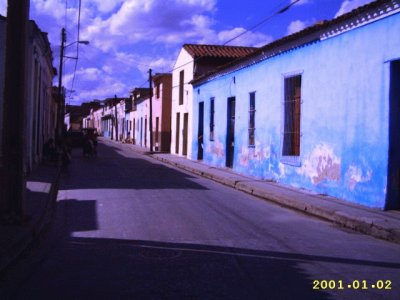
(129, 37)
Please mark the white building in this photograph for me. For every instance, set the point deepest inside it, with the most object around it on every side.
(40, 109)
(193, 61)
(140, 116)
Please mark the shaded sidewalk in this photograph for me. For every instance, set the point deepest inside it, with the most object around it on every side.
(41, 193)
(375, 222)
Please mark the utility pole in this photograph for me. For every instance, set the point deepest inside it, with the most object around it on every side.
(151, 110)
(60, 95)
(13, 181)
(116, 117)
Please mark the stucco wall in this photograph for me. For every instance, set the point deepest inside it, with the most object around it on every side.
(344, 114)
(183, 62)
(142, 128)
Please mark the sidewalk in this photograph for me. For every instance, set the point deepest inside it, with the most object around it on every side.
(40, 198)
(377, 223)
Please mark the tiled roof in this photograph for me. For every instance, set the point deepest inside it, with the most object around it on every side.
(218, 51)
(319, 31)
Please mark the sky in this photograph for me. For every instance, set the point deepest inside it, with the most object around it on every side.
(127, 38)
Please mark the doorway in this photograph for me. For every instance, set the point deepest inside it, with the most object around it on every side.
(200, 132)
(230, 132)
(393, 184)
(141, 132)
(178, 120)
(145, 133)
(185, 133)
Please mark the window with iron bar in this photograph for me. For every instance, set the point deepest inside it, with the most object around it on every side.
(292, 114)
(211, 119)
(252, 121)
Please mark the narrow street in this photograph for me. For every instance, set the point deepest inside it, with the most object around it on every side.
(129, 227)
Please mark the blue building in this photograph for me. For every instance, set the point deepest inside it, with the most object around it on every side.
(317, 110)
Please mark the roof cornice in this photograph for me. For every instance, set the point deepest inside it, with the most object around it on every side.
(321, 31)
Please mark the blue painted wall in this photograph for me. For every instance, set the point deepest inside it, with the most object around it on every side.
(344, 114)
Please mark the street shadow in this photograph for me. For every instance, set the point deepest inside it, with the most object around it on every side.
(103, 268)
(111, 169)
(78, 215)
(119, 269)
(90, 267)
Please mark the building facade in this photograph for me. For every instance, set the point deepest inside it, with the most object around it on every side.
(316, 110)
(162, 96)
(194, 61)
(140, 116)
(41, 108)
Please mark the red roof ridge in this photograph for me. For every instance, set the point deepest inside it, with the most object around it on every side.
(206, 50)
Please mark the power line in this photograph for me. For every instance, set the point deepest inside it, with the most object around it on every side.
(77, 44)
(276, 11)
(261, 22)
(66, 10)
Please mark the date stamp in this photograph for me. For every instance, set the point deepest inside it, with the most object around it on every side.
(354, 285)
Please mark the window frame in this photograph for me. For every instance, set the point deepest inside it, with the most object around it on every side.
(158, 90)
(291, 125)
(181, 86)
(212, 118)
(252, 120)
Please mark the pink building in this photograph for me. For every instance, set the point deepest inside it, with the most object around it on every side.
(161, 113)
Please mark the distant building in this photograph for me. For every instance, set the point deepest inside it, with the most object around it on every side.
(194, 61)
(79, 116)
(161, 113)
(112, 118)
(73, 117)
(317, 110)
(162, 101)
(140, 116)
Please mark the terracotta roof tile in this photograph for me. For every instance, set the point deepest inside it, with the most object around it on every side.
(219, 51)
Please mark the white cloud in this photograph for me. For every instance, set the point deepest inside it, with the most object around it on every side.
(126, 61)
(90, 74)
(156, 21)
(102, 85)
(349, 5)
(247, 39)
(108, 88)
(296, 26)
(55, 8)
(104, 6)
(301, 2)
(127, 37)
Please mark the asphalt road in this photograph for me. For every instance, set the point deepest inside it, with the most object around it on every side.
(128, 227)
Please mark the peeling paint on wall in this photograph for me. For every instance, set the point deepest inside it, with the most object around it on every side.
(344, 125)
(244, 156)
(356, 175)
(216, 148)
(322, 164)
(256, 155)
(282, 170)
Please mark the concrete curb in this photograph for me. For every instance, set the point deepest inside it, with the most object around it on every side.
(323, 207)
(367, 225)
